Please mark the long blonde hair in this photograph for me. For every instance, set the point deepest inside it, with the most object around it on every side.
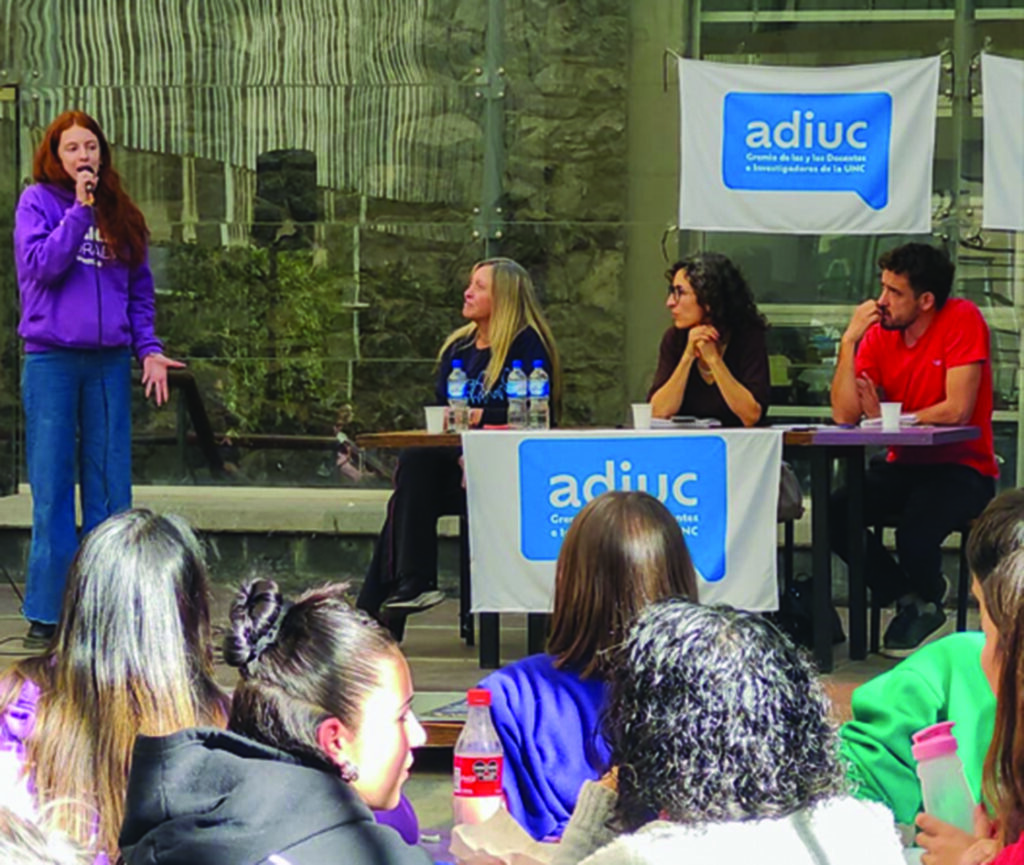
(132, 654)
(514, 307)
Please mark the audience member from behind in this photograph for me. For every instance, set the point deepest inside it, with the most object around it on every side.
(131, 654)
(724, 752)
(321, 731)
(623, 551)
(944, 681)
(1001, 599)
(25, 842)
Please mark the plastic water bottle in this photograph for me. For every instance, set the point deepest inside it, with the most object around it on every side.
(479, 763)
(540, 395)
(517, 391)
(943, 785)
(458, 399)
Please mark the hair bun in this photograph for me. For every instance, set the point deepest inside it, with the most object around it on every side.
(256, 616)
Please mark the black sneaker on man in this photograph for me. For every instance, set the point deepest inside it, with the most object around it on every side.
(914, 625)
(412, 600)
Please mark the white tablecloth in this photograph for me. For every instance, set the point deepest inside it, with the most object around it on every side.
(525, 487)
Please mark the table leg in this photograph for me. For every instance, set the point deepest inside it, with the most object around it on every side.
(537, 625)
(489, 636)
(853, 458)
(821, 558)
(465, 587)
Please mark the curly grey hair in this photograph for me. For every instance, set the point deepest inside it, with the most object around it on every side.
(715, 716)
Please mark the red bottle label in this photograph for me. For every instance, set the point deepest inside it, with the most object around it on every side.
(478, 775)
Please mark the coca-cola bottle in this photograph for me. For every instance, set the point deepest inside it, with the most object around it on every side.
(479, 762)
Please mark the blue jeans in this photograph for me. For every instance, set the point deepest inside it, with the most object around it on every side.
(77, 410)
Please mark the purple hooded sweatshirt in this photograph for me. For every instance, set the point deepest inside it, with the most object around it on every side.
(75, 293)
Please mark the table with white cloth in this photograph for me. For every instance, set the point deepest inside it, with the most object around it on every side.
(524, 487)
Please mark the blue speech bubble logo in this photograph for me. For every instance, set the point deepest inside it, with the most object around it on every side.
(808, 142)
(558, 476)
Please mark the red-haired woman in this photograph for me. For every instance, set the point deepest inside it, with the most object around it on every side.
(87, 306)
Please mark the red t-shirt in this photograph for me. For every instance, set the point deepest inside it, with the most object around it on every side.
(1012, 854)
(916, 377)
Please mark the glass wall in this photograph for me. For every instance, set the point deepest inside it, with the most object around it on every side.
(808, 285)
(319, 175)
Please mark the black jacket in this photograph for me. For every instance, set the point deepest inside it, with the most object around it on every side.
(208, 797)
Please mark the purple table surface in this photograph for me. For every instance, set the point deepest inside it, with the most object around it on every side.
(908, 435)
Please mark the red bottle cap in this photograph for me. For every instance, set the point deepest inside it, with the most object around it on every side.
(478, 697)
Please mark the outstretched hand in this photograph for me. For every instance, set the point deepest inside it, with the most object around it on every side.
(154, 375)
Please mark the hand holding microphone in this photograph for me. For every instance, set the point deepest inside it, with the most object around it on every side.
(85, 185)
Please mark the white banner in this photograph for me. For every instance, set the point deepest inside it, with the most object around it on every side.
(524, 488)
(838, 150)
(1002, 88)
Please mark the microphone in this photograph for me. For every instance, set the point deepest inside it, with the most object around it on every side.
(90, 185)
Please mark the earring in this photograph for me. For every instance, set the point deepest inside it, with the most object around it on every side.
(349, 771)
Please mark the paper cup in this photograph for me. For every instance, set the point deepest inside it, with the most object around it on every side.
(435, 418)
(891, 415)
(641, 415)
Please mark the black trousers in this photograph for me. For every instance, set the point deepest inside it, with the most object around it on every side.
(428, 485)
(928, 502)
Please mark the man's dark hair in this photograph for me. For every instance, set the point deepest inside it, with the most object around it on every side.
(925, 267)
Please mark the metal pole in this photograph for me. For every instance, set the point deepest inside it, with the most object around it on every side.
(489, 220)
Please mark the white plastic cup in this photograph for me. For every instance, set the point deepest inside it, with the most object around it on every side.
(641, 415)
(435, 418)
(891, 415)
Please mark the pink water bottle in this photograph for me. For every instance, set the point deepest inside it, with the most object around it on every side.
(479, 762)
(943, 785)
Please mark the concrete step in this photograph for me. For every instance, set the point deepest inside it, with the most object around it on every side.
(296, 534)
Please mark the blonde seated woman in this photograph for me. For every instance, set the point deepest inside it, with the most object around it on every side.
(505, 324)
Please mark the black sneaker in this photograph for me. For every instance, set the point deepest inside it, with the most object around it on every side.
(39, 635)
(913, 626)
(412, 601)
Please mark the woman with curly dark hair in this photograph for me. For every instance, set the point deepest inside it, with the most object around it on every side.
(713, 361)
(723, 752)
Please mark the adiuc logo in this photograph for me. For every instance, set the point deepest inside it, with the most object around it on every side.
(558, 476)
(808, 142)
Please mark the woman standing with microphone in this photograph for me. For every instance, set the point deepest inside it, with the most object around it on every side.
(87, 306)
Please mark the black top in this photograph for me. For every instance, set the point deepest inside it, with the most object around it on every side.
(527, 347)
(209, 797)
(746, 357)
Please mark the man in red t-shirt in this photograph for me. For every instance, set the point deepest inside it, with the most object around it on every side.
(917, 346)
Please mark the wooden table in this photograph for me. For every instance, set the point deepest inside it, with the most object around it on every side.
(415, 438)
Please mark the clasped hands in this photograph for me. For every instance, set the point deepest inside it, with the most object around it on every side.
(703, 342)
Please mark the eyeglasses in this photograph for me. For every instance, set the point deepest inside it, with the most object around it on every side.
(676, 292)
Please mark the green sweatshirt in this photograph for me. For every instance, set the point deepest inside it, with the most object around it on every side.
(941, 682)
